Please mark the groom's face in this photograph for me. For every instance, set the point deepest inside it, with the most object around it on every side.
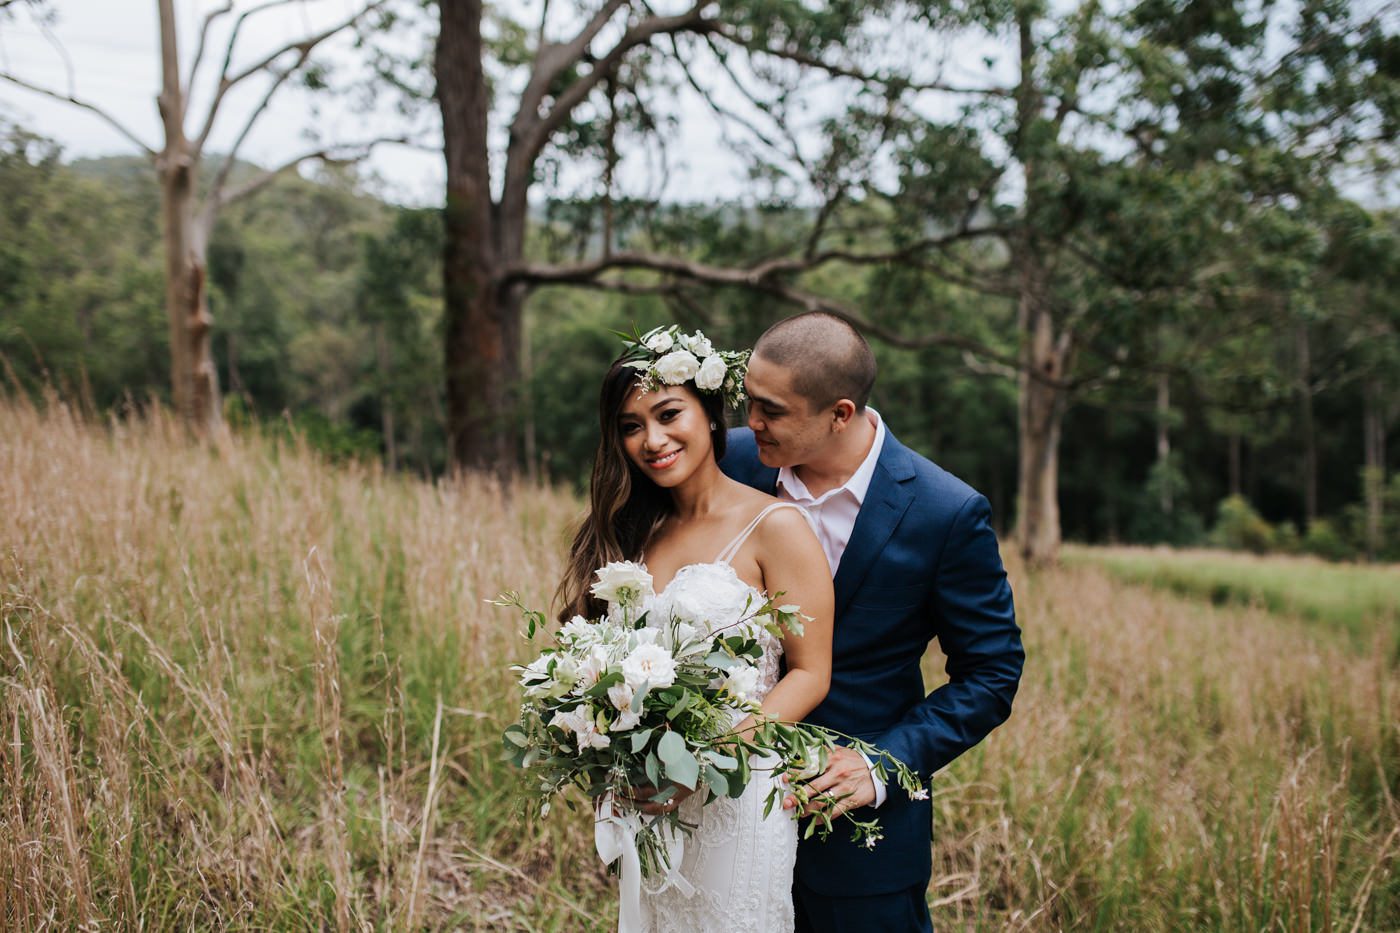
(789, 433)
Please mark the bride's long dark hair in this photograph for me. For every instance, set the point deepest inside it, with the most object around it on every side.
(625, 507)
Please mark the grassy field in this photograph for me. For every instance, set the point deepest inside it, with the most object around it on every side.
(241, 689)
(1363, 600)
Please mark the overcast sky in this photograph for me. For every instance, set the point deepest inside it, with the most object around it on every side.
(105, 52)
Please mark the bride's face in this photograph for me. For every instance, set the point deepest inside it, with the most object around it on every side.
(666, 433)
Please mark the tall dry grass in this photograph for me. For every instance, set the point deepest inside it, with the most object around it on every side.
(243, 689)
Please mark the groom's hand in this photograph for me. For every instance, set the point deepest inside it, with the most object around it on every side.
(641, 799)
(844, 785)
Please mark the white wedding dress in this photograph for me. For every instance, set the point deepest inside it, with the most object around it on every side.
(738, 861)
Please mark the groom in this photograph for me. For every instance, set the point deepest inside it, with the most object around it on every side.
(914, 558)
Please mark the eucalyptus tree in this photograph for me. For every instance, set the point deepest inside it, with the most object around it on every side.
(1090, 164)
(191, 202)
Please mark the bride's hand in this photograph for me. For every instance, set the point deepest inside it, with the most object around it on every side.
(641, 801)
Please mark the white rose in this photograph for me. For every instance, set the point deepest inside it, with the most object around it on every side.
(711, 374)
(658, 341)
(622, 582)
(675, 368)
(700, 345)
(649, 665)
(742, 681)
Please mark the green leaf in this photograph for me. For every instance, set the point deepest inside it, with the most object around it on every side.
(719, 784)
(681, 766)
(640, 739)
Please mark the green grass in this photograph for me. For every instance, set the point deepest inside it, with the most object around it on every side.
(1359, 599)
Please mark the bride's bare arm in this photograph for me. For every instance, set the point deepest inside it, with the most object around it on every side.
(794, 564)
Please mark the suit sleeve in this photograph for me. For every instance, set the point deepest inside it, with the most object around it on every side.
(972, 616)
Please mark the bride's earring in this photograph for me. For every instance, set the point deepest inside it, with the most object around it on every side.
(713, 426)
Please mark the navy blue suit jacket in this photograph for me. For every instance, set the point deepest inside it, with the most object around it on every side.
(922, 564)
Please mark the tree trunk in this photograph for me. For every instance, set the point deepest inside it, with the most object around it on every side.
(386, 400)
(1233, 454)
(1164, 442)
(1041, 410)
(1308, 428)
(195, 381)
(1373, 471)
(481, 357)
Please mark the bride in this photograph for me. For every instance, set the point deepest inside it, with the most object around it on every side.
(657, 496)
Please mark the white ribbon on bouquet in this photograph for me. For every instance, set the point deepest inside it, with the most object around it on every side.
(615, 836)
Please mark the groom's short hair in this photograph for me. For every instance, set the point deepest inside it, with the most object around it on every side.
(828, 358)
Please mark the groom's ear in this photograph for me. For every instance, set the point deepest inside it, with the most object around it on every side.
(841, 414)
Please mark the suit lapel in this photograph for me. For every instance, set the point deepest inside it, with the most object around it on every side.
(886, 501)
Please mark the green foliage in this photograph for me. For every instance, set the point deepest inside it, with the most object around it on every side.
(1181, 526)
(1238, 527)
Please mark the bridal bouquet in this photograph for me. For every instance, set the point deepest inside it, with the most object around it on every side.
(630, 700)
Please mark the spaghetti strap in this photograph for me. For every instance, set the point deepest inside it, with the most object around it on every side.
(731, 549)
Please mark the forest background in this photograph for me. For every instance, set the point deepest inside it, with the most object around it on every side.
(1146, 285)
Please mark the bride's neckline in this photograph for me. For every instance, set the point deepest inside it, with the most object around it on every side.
(699, 563)
(727, 553)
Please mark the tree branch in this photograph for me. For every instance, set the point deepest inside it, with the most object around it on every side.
(92, 108)
(753, 276)
(303, 46)
(551, 58)
(865, 77)
(327, 156)
(533, 131)
(199, 52)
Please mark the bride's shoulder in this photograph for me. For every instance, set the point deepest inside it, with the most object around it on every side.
(780, 523)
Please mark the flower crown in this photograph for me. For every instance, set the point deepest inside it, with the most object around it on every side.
(666, 356)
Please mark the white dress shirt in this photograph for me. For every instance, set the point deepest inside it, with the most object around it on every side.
(833, 517)
(834, 511)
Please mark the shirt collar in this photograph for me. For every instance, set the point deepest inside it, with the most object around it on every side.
(858, 484)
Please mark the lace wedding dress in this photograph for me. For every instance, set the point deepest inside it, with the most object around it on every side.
(738, 861)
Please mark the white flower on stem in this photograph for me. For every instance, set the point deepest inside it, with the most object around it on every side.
(700, 345)
(742, 681)
(686, 640)
(581, 631)
(658, 341)
(622, 582)
(620, 696)
(675, 368)
(807, 765)
(920, 794)
(538, 680)
(583, 727)
(650, 665)
(711, 373)
(594, 665)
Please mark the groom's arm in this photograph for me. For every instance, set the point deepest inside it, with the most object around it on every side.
(974, 621)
